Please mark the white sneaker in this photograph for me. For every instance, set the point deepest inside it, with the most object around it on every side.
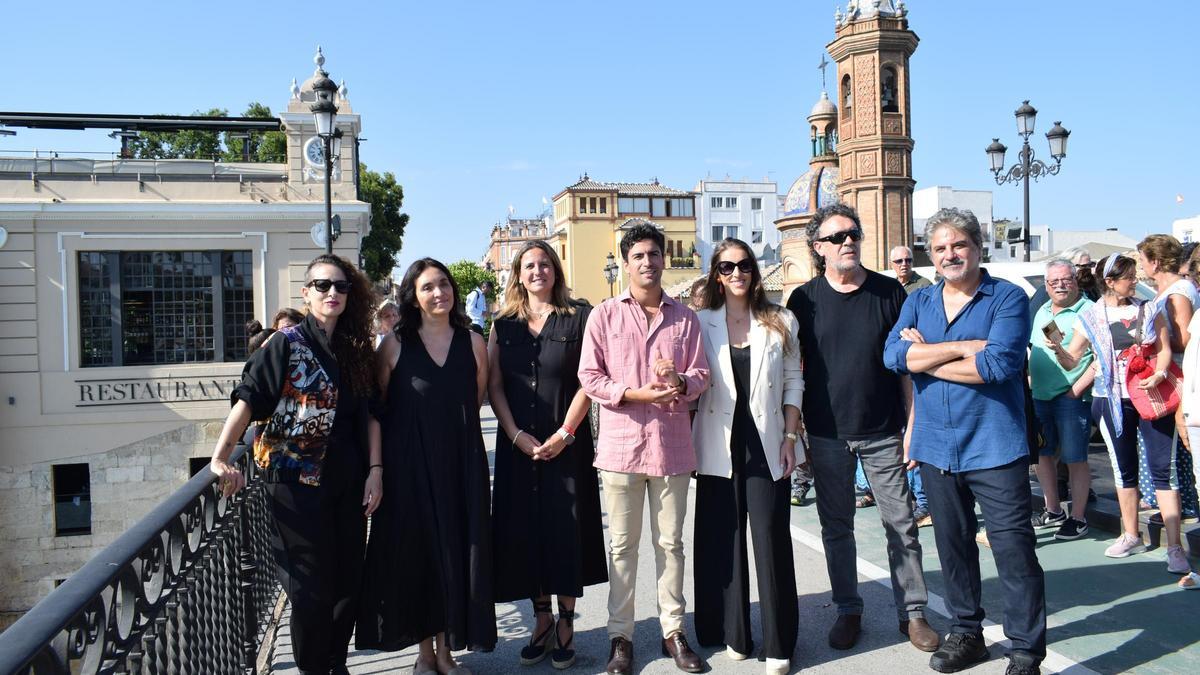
(778, 667)
(1125, 546)
(735, 655)
(1177, 562)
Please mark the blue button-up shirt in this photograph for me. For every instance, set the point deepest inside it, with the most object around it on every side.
(966, 427)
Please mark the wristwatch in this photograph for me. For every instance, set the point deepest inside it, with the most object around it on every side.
(791, 436)
(567, 436)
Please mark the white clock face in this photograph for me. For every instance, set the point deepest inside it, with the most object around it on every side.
(314, 152)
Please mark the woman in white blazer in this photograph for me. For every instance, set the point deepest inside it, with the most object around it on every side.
(745, 435)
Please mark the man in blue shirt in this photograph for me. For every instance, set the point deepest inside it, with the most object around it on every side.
(963, 342)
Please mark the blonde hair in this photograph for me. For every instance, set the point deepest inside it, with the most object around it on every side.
(516, 298)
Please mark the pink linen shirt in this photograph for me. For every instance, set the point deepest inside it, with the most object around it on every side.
(619, 350)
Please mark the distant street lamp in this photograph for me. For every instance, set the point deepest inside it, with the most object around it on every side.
(324, 113)
(610, 272)
(1028, 166)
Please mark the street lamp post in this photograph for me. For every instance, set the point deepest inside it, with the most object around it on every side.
(610, 272)
(1028, 165)
(324, 113)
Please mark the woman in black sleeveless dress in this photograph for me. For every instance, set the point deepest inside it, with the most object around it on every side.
(548, 532)
(429, 559)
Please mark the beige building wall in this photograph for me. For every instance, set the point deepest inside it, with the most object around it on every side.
(135, 427)
(588, 238)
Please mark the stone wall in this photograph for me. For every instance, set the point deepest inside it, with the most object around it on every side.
(126, 483)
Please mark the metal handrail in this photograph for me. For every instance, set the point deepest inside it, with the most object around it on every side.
(188, 588)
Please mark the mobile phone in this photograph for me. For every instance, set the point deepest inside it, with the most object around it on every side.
(1052, 331)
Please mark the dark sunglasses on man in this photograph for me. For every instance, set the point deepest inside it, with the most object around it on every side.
(902, 261)
(839, 238)
(725, 267)
(323, 285)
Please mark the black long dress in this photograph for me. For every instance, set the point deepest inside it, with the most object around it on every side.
(548, 532)
(429, 558)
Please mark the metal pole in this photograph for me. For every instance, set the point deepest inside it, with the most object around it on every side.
(1025, 178)
(329, 195)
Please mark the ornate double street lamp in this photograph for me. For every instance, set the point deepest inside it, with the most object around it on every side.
(1028, 165)
(610, 272)
(324, 113)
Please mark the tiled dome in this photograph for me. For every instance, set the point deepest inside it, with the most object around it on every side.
(802, 198)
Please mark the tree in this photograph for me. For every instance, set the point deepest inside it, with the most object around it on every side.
(186, 144)
(270, 146)
(386, 196)
(468, 274)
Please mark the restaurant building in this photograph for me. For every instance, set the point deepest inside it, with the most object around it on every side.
(125, 287)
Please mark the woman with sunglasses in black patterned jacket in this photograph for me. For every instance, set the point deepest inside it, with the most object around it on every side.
(311, 383)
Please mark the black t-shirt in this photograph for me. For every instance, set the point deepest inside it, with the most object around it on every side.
(848, 393)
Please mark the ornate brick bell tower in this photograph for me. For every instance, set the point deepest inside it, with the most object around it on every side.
(872, 50)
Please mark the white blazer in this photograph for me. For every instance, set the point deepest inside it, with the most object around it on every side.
(776, 380)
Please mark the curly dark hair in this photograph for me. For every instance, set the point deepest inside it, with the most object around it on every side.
(814, 226)
(410, 310)
(761, 308)
(353, 340)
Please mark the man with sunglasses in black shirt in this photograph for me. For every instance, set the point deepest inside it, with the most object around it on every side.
(855, 408)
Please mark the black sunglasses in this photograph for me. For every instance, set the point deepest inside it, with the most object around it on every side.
(839, 238)
(725, 267)
(901, 261)
(323, 285)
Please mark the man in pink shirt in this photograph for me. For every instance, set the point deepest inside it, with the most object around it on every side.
(643, 362)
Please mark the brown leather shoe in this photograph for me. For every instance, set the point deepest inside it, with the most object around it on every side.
(845, 631)
(920, 634)
(620, 657)
(675, 645)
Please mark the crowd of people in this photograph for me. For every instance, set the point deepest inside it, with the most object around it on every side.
(939, 396)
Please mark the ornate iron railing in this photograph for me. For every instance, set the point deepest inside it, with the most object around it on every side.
(189, 589)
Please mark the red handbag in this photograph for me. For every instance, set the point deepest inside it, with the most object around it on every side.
(1163, 398)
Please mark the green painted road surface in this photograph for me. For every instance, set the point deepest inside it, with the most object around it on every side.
(1105, 616)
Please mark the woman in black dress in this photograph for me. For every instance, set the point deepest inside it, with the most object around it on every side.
(309, 384)
(547, 500)
(429, 560)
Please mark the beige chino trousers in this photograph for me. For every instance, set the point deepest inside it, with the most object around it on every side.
(625, 496)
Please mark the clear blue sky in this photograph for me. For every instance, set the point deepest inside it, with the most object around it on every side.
(479, 105)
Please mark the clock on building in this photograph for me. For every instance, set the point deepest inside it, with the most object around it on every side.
(314, 152)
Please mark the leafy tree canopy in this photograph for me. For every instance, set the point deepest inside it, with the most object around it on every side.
(270, 146)
(386, 196)
(468, 274)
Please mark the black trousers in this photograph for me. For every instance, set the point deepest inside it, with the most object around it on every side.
(722, 581)
(1003, 496)
(318, 539)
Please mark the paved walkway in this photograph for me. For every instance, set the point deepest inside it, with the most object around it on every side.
(1105, 615)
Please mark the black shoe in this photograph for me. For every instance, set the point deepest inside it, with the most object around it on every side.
(1021, 663)
(539, 646)
(959, 651)
(339, 669)
(563, 655)
(845, 630)
(1045, 519)
(1071, 530)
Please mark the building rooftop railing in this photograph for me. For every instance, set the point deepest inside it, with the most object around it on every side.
(47, 164)
(190, 588)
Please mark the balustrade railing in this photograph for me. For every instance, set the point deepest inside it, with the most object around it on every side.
(189, 589)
